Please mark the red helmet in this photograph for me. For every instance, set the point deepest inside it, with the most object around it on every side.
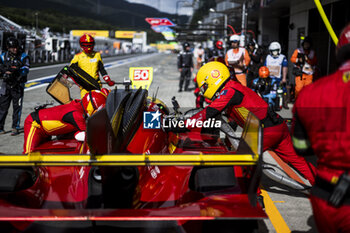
(344, 37)
(93, 101)
(87, 43)
(219, 44)
(264, 72)
(343, 46)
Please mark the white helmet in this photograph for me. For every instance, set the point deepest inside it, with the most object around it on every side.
(275, 48)
(235, 38)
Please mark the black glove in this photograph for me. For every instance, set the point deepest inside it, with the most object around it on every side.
(301, 58)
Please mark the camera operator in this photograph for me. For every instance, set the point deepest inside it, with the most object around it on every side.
(14, 67)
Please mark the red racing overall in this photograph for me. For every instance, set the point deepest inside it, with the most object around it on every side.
(41, 125)
(238, 100)
(321, 115)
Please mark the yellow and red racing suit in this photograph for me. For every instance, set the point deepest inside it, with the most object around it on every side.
(92, 64)
(40, 125)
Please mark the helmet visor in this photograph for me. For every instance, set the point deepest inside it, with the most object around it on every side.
(87, 44)
(87, 47)
(275, 52)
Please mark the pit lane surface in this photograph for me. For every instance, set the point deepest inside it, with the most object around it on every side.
(288, 210)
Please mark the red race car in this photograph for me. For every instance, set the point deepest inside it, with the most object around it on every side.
(135, 179)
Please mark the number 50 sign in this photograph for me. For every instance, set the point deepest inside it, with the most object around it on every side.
(141, 77)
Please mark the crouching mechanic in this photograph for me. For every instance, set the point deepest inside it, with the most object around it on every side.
(90, 61)
(40, 125)
(228, 95)
(321, 127)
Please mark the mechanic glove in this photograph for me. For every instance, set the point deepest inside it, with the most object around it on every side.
(80, 136)
(108, 80)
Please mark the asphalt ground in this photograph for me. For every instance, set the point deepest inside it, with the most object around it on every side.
(288, 210)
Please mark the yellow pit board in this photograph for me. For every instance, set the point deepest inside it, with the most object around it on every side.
(141, 77)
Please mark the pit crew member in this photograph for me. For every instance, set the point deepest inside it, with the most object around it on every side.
(199, 56)
(321, 127)
(237, 101)
(304, 60)
(185, 66)
(266, 87)
(90, 61)
(238, 59)
(278, 67)
(217, 53)
(256, 55)
(40, 125)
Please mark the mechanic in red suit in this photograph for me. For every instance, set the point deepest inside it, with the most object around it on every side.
(40, 125)
(321, 127)
(237, 100)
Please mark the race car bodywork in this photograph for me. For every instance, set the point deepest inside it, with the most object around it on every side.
(134, 179)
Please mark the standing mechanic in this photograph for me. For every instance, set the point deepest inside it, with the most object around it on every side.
(256, 60)
(199, 56)
(90, 61)
(237, 100)
(14, 67)
(321, 126)
(40, 125)
(238, 59)
(304, 60)
(185, 66)
(278, 67)
(217, 53)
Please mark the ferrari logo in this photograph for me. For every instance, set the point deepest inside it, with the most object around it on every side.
(346, 77)
(215, 74)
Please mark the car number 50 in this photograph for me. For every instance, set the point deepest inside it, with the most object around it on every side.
(141, 74)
